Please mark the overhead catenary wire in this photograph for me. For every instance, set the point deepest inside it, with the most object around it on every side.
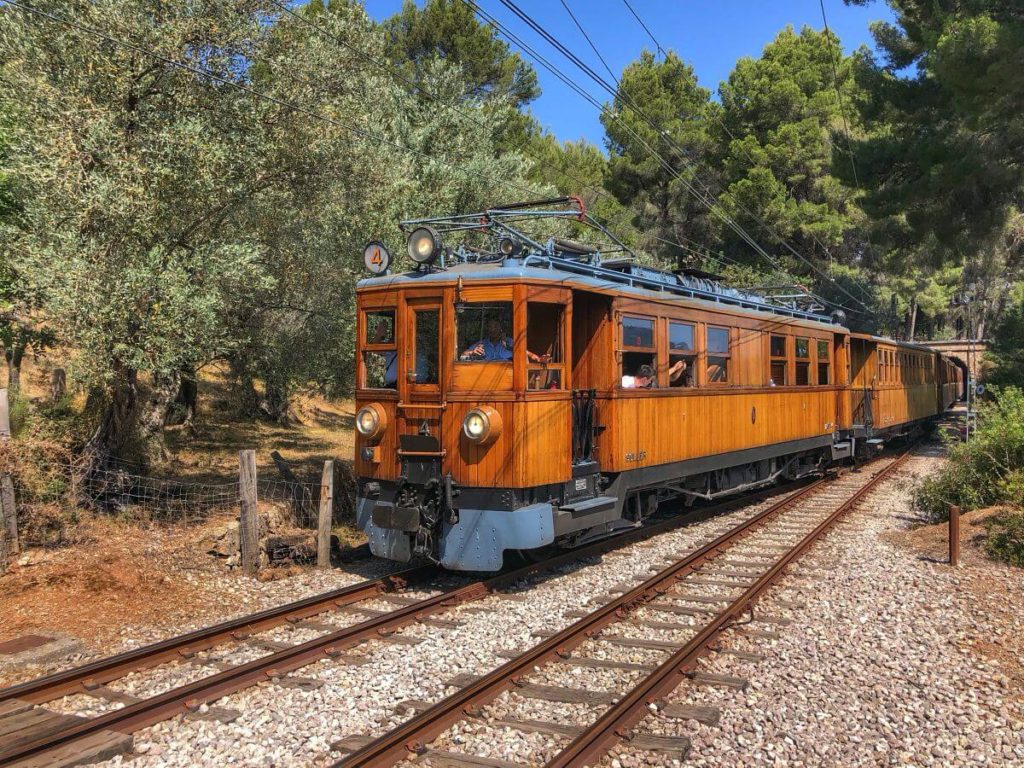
(648, 31)
(523, 146)
(721, 122)
(710, 204)
(594, 48)
(558, 45)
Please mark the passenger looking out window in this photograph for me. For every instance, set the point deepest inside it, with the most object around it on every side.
(639, 354)
(682, 354)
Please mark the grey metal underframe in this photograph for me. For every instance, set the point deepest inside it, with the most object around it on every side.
(651, 477)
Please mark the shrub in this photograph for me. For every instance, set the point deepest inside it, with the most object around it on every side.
(1005, 540)
(989, 469)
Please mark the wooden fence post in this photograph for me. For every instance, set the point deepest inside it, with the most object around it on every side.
(248, 520)
(8, 508)
(954, 535)
(323, 531)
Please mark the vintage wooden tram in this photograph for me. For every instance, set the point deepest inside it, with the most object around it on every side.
(515, 393)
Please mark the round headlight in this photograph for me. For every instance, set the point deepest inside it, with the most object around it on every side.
(482, 425)
(424, 244)
(370, 421)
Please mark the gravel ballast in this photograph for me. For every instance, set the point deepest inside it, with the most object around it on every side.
(878, 668)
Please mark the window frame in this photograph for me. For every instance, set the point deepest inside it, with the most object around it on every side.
(805, 360)
(559, 367)
(818, 362)
(622, 348)
(376, 348)
(692, 356)
(774, 359)
(493, 303)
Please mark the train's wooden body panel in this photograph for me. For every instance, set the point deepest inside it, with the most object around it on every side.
(729, 388)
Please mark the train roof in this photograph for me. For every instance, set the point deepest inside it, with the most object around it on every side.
(597, 278)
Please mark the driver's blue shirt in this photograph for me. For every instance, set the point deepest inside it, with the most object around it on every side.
(500, 350)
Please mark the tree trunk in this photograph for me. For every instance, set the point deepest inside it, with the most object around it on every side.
(274, 404)
(117, 424)
(14, 354)
(912, 320)
(58, 385)
(154, 413)
(188, 394)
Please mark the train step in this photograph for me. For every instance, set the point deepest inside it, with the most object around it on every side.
(589, 506)
(842, 450)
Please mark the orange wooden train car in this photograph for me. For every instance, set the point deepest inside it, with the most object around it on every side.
(520, 394)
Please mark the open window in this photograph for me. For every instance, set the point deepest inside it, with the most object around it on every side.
(380, 356)
(484, 332)
(545, 362)
(719, 354)
(824, 363)
(638, 353)
(803, 362)
(778, 374)
(682, 354)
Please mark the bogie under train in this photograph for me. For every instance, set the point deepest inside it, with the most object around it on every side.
(521, 394)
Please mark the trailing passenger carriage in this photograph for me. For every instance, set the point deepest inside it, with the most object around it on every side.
(517, 391)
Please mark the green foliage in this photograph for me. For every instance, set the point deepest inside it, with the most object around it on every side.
(449, 30)
(1006, 350)
(667, 92)
(987, 470)
(1005, 538)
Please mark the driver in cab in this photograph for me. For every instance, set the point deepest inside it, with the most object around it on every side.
(496, 347)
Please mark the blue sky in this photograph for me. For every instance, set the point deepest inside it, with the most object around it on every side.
(709, 34)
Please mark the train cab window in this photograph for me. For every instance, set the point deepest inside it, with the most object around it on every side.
(544, 346)
(380, 357)
(803, 362)
(639, 355)
(426, 343)
(779, 366)
(682, 354)
(484, 332)
(718, 355)
(824, 363)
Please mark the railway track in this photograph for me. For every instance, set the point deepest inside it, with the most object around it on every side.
(39, 737)
(745, 561)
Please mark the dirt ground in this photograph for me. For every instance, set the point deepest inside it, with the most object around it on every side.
(992, 592)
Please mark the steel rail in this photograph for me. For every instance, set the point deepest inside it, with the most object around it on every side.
(190, 697)
(413, 735)
(591, 745)
(77, 679)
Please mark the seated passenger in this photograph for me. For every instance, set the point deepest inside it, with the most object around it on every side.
(497, 346)
(644, 378)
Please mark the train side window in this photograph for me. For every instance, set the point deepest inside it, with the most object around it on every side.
(639, 355)
(544, 346)
(484, 332)
(380, 359)
(718, 355)
(824, 363)
(779, 361)
(682, 354)
(803, 362)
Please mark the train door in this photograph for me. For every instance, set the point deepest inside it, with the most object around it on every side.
(592, 369)
(420, 401)
(861, 381)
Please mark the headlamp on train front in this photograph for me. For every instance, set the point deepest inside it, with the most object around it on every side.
(371, 421)
(482, 425)
(424, 244)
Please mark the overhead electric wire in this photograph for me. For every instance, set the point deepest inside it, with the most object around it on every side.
(839, 94)
(558, 45)
(590, 42)
(649, 33)
(721, 122)
(523, 146)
